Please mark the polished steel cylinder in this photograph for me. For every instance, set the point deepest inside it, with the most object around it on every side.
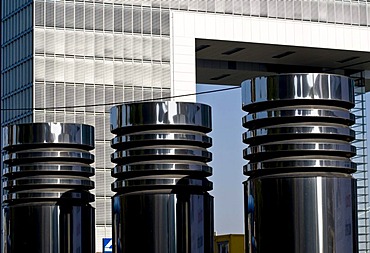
(301, 212)
(299, 152)
(161, 178)
(46, 183)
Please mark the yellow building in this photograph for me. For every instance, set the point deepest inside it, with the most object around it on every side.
(231, 243)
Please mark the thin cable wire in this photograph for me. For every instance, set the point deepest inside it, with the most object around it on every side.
(119, 103)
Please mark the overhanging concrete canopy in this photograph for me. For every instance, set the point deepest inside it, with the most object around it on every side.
(230, 63)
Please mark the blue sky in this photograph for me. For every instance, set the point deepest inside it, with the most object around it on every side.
(227, 156)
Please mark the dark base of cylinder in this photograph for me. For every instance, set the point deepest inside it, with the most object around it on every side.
(302, 214)
(45, 228)
(153, 222)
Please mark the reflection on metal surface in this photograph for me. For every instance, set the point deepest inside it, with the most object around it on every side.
(161, 187)
(46, 189)
(300, 196)
(302, 213)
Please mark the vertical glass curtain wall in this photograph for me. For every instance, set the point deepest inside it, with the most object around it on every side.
(361, 159)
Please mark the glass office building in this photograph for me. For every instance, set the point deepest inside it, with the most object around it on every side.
(59, 55)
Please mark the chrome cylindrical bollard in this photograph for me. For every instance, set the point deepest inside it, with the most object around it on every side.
(162, 203)
(300, 196)
(46, 198)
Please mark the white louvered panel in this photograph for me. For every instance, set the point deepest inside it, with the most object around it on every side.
(156, 21)
(100, 211)
(49, 42)
(89, 70)
(49, 95)
(49, 69)
(128, 73)
(331, 12)
(80, 118)
(137, 47)
(368, 14)
(146, 70)
(363, 20)
(166, 49)
(118, 46)
(271, 5)
(69, 67)
(156, 3)
(108, 213)
(70, 118)
(136, 20)
(138, 93)
(355, 14)
(138, 75)
(127, 47)
(59, 96)
(99, 132)
(298, 9)
(193, 5)
(70, 15)
(202, 5)
(228, 6)
(70, 96)
(255, 7)
(166, 93)
(183, 4)
(108, 45)
(157, 93)
(108, 137)
(79, 15)
(39, 13)
(39, 95)
(59, 117)
(99, 146)
(108, 17)
(165, 22)
(80, 95)
(79, 71)
(39, 41)
(108, 151)
(246, 7)
(127, 18)
(314, 10)
(289, 10)
(147, 93)
(323, 11)
(108, 97)
(90, 119)
(118, 73)
(89, 16)
(306, 11)
(59, 42)
(263, 8)
(89, 96)
(118, 94)
(220, 6)
(59, 14)
(147, 21)
(99, 183)
(69, 42)
(128, 93)
(39, 116)
(99, 17)
(100, 233)
(59, 69)
(99, 97)
(39, 68)
(281, 9)
(238, 6)
(99, 71)
(166, 76)
(79, 43)
(50, 117)
(89, 44)
(118, 18)
(156, 75)
(147, 48)
(49, 14)
(156, 49)
(99, 44)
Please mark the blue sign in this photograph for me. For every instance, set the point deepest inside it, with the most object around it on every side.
(107, 245)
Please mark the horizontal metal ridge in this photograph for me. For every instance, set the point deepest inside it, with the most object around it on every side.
(47, 169)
